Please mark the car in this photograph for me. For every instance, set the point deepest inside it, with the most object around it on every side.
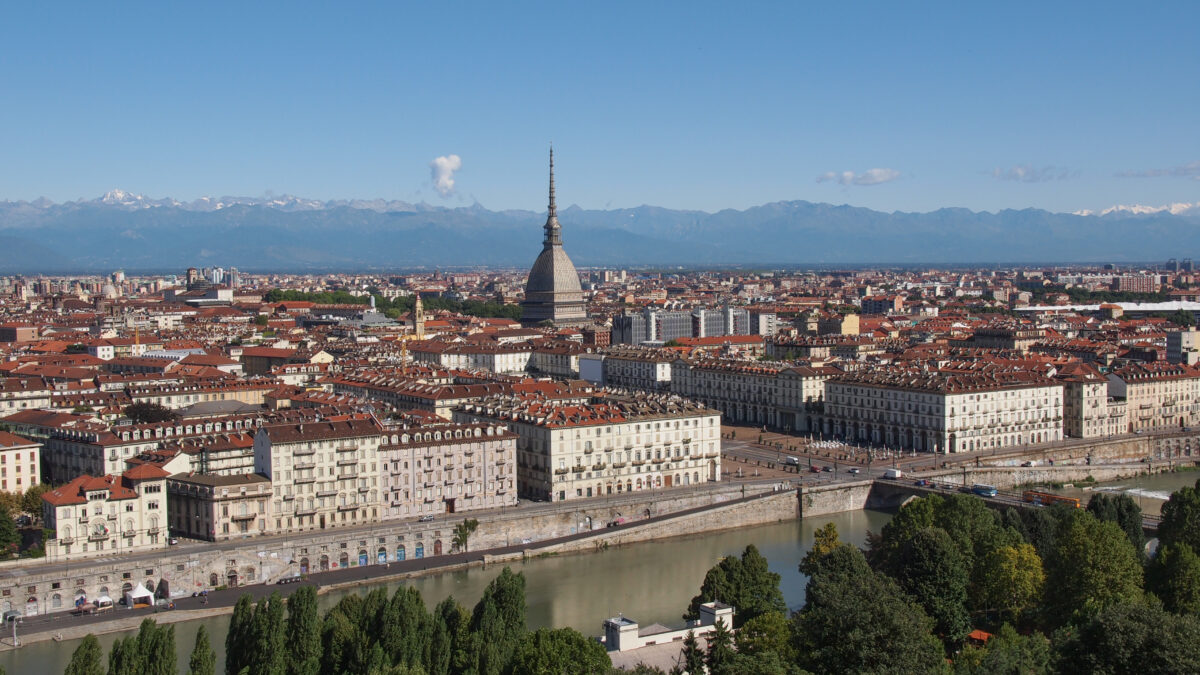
(814, 469)
(924, 482)
(855, 469)
(425, 519)
(294, 579)
(1027, 463)
(792, 461)
(24, 521)
(827, 469)
(172, 541)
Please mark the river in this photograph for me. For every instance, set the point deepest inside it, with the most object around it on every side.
(650, 582)
(1151, 492)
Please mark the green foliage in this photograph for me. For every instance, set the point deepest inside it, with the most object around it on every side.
(933, 571)
(915, 516)
(1174, 577)
(1131, 638)
(693, 656)
(858, 620)
(1007, 653)
(237, 640)
(564, 651)
(203, 660)
(149, 413)
(150, 652)
(1125, 512)
(1012, 579)
(1093, 566)
(767, 633)
(720, 649)
(463, 532)
(498, 621)
(261, 320)
(825, 540)
(744, 583)
(31, 501)
(303, 632)
(10, 537)
(87, 659)
(1181, 518)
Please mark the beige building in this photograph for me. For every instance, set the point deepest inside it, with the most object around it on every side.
(20, 463)
(429, 469)
(324, 473)
(612, 445)
(773, 394)
(216, 508)
(108, 515)
(1088, 411)
(1158, 395)
(943, 412)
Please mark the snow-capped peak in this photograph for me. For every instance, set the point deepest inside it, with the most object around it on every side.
(1174, 209)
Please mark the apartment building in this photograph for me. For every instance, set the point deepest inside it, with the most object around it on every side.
(1088, 411)
(107, 515)
(1158, 395)
(218, 507)
(436, 468)
(610, 445)
(324, 473)
(943, 412)
(20, 462)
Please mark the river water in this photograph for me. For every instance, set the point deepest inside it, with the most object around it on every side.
(1150, 492)
(650, 582)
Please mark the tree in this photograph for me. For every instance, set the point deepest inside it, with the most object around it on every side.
(1125, 512)
(720, 649)
(149, 413)
(31, 501)
(238, 643)
(1181, 518)
(1007, 653)
(1013, 578)
(10, 537)
(261, 320)
(825, 540)
(1131, 638)
(203, 660)
(692, 656)
(499, 621)
(563, 651)
(1093, 566)
(767, 633)
(268, 654)
(744, 583)
(1174, 577)
(933, 571)
(912, 517)
(858, 620)
(463, 532)
(87, 659)
(303, 632)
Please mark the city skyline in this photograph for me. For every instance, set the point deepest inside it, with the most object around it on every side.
(711, 109)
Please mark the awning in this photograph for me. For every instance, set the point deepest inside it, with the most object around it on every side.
(139, 592)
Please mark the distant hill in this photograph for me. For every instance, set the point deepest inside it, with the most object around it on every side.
(123, 230)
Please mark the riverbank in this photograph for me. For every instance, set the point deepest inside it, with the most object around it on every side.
(755, 509)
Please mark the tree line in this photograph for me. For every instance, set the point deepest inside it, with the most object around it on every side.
(395, 307)
(1060, 589)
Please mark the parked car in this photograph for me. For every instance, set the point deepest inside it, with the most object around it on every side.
(855, 469)
(425, 519)
(172, 541)
(814, 469)
(827, 469)
(924, 482)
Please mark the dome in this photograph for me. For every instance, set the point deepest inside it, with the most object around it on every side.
(553, 272)
(552, 292)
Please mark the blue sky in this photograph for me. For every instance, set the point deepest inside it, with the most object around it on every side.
(893, 106)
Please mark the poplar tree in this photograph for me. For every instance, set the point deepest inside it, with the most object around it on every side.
(303, 632)
(203, 660)
(88, 658)
(237, 640)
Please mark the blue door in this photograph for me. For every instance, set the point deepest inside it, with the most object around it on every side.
(420, 553)
(400, 553)
(362, 558)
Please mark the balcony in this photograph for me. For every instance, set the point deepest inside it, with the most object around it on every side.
(578, 469)
(347, 461)
(97, 537)
(658, 460)
(348, 507)
(349, 475)
(326, 493)
(304, 466)
(619, 465)
(67, 541)
(363, 488)
(639, 462)
(448, 467)
(501, 462)
(304, 451)
(429, 483)
(301, 480)
(248, 516)
(469, 465)
(588, 451)
(560, 472)
(599, 466)
(347, 448)
(129, 533)
(306, 511)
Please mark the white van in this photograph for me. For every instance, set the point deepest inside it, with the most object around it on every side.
(893, 473)
(792, 461)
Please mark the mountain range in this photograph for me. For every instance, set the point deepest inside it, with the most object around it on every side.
(286, 233)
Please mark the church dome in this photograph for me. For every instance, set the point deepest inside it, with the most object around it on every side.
(552, 292)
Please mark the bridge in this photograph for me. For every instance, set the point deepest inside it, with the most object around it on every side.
(904, 489)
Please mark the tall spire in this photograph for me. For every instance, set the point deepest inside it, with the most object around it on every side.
(553, 230)
(553, 211)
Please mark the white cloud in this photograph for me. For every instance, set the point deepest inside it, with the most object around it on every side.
(442, 171)
(1027, 173)
(1189, 170)
(868, 177)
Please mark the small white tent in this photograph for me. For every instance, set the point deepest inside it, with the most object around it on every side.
(138, 594)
